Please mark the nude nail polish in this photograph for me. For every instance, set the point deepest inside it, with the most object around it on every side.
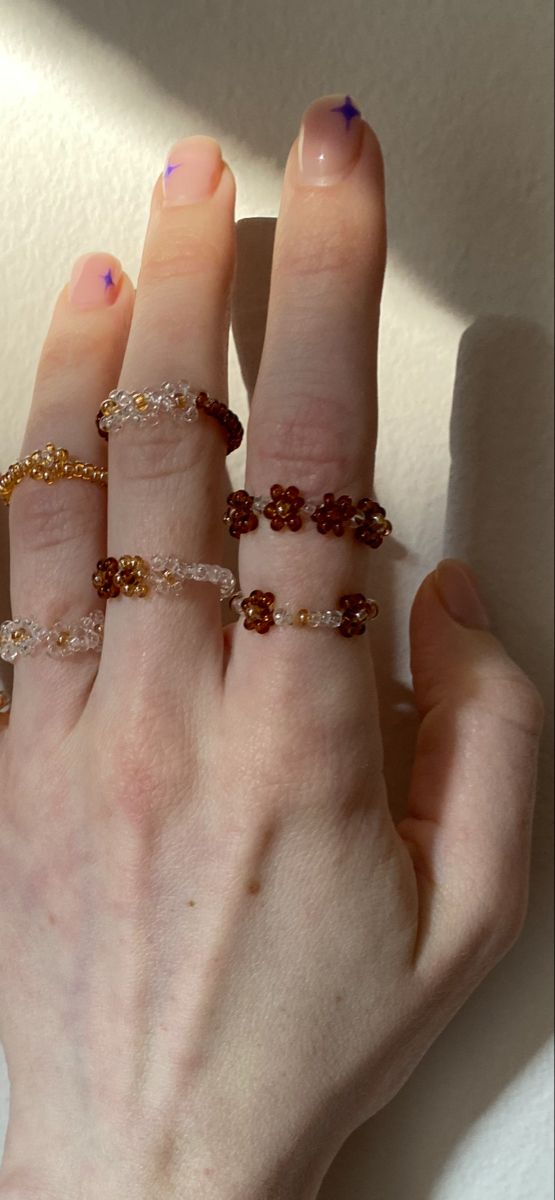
(192, 171)
(330, 140)
(94, 281)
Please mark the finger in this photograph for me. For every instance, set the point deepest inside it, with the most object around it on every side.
(57, 531)
(473, 785)
(313, 417)
(167, 482)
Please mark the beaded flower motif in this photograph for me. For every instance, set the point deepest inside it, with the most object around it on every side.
(374, 526)
(284, 508)
(130, 574)
(258, 608)
(240, 517)
(332, 516)
(357, 610)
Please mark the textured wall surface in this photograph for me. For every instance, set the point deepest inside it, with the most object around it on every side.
(92, 93)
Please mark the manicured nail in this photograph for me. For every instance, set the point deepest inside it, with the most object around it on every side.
(330, 140)
(459, 594)
(192, 171)
(94, 281)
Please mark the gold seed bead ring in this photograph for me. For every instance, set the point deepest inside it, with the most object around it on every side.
(49, 465)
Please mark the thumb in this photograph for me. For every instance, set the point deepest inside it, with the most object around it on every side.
(473, 784)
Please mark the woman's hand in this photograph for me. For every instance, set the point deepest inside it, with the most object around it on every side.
(219, 952)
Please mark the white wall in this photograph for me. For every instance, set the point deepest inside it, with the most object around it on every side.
(92, 93)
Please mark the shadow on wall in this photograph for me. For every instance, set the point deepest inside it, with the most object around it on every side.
(501, 424)
(447, 86)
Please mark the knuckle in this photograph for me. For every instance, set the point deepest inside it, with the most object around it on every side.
(68, 347)
(304, 436)
(514, 700)
(311, 254)
(185, 254)
(164, 454)
(44, 515)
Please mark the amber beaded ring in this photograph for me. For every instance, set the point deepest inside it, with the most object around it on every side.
(287, 508)
(5, 704)
(177, 400)
(350, 618)
(49, 465)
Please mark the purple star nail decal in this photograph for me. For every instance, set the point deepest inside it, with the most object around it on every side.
(348, 110)
(171, 167)
(108, 279)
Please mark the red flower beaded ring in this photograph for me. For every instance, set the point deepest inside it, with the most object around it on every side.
(179, 400)
(286, 508)
(349, 618)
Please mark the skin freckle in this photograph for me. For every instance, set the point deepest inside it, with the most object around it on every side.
(191, 903)
(254, 887)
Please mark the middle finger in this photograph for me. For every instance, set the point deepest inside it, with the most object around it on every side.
(166, 482)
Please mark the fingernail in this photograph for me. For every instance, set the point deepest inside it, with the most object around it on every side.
(330, 140)
(192, 171)
(459, 594)
(94, 281)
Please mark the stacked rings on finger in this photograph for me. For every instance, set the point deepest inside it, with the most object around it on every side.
(287, 509)
(179, 401)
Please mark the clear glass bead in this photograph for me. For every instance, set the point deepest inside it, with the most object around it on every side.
(235, 602)
(314, 619)
(308, 508)
(332, 618)
(259, 503)
(283, 616)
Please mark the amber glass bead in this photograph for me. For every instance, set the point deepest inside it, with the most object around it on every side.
(332, 515)
(104, 578)
(258, 608)
(356, 610)
(132, 575)
(375, 526)
(228, 420)
(239, 516)
(284, 508)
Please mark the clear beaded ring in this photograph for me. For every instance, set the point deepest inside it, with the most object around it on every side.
(24, 635)
(179, 401)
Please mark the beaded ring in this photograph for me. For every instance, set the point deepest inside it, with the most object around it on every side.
(49, 465)
(24, 635)
(349, 618)
(132, 575)
(286, 508)
(178, 400)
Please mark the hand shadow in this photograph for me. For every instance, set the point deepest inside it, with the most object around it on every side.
(496, 519)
